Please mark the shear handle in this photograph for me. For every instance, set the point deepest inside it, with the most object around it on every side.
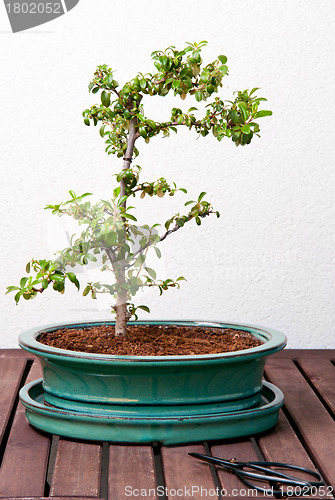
(265, 466)
(270, 475)
(277, 478)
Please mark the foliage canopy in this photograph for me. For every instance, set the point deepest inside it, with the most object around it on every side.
(111, 232)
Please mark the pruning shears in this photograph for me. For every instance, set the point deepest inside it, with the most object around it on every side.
(262, 471)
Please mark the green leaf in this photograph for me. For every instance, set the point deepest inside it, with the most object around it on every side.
(222, 59)
(122, 200)
(129, 216)
(23, 282)
(87, 122)
(143, 133)
(233, 115)
(244, 110)
(111, 238)
(198, 95)
(144, 308)
(139, 261)
(224, 69)
(155, 238)
(17, 297)
(246, 129)
(151, 272)
(261, 114)
(95, 90)
(143, 241)
(189, 203)
(151, 124)
(12, 288)
(86, 290)
(158, 252)
(91, 257)
(164, 60)
(255, 126)
(201, 195)
(105, 98)
(242, 105)
(204, 76)
(259, 99)
(73, 278)
(28, 268)
(56, 277)
(45, 283)
(59, 286)
(254, 90)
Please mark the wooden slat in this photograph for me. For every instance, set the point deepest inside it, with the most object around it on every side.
(283, 445)
(322, 376)
(16, 353)
(242, 451)
(131, 469)
(11, 372)
(316, 426)
(25, 460)
(183, 472)
(305, 353)
(77, 469)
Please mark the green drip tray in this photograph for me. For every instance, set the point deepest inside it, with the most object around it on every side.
(145, 424)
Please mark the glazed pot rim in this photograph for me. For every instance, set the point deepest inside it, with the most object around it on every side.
(274, 341)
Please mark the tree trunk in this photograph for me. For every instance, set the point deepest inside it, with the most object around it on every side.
(122, 314)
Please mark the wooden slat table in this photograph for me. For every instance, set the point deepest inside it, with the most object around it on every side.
(37, 465)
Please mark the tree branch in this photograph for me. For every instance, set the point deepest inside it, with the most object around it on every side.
(166, 234)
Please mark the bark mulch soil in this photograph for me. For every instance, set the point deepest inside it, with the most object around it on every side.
(151, 340)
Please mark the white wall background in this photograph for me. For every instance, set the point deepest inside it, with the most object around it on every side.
(269, 259)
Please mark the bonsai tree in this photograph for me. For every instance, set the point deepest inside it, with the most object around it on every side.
(110, 231)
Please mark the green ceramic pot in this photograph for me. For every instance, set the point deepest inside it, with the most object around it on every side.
(98, 384)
